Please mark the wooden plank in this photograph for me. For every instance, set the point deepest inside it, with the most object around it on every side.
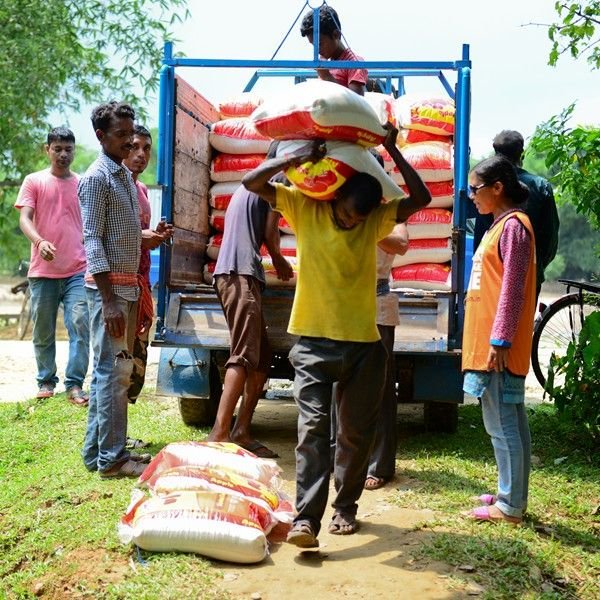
(191, 176)
(194, 103)
(189, 213)
(187, 258)
(191, 137)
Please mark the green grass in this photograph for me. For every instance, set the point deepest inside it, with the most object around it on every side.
(556, 554)
(58, 522)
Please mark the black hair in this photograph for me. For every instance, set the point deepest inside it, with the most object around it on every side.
(499, 168)
(365, 191)
(103, 114)
(329, 22)
(60, 134)
(510, 144)
(142, 131)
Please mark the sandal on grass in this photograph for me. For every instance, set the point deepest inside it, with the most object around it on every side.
(487, 499)
(129, 468)
(374, 483)
(303, 535)
(77, 396)
(135, 444)
(46, 390)
(487, 513)
(343, 524)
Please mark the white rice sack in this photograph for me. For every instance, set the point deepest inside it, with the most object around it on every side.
(426, 113)
(224, 455)
(425, 251)
(208, 271)
(422, 276)
(319, 109)
(285, 227)
(442, 193)
(233, 167)
(217, 220)
(219, 194)
(271, 278)
(383, 106)
(238, 136)
(242, 105)
(431, 160)
(220, 526)
(342, 160)
(214, 245)
(429, 223)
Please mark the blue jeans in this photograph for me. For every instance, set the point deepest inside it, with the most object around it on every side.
(46, 296)
(507, 425)
(104, 444)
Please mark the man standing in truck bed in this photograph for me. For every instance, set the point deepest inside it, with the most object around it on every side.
(334, 315)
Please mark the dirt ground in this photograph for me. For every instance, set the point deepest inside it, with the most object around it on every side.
(377, 562)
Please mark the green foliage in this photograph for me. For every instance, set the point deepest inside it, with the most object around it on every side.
(574, 33)
(578, 398)
(16, 245)
(54, 54)
(573, 160)
(556, 269)
(149, 175)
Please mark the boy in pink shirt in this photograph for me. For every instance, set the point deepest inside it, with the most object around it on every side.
(50, 218)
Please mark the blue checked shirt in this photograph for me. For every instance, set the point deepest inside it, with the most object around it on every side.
(110, 212)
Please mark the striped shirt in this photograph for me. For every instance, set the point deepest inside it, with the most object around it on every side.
(110, 213)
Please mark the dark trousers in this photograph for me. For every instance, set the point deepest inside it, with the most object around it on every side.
(383, 457)
(359, 369)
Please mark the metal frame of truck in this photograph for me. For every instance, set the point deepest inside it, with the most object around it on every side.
(191, 329)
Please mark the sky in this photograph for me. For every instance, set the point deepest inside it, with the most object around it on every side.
(512, 85)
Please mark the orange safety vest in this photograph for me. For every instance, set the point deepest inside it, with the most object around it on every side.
(482, 299)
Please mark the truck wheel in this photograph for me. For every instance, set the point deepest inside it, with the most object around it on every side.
(197, 412)
(441, 417)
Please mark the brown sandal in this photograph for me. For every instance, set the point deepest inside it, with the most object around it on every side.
(77, 396)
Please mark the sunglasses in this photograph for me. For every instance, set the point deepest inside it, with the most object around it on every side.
(473, 189)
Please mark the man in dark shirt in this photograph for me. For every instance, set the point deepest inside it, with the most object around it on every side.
(239, 281)
(541, 207)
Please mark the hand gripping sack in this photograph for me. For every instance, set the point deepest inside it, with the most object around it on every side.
(321, 180)
(220, 526)
(426, 113)
(238, 136)
(319, 109)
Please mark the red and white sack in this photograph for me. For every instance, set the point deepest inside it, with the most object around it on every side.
(431, 114)
(322, 179)
(415, 136)
(383, 106)
(429, 223)
(217, 220)
(425, 251)
(214, 245)
(242, 105)
(220, 526)
(319, 109)
(219, 194)
(287, 246)
(422, 276)
(238, 136)
(208, 271)
(442, 193)
(285, 227)
(431, 160)
(232, 167)
(271, 279)
(223, 455)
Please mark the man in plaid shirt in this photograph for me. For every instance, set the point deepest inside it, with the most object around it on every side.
(117, 303)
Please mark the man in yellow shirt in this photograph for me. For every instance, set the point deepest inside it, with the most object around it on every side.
(334, 314)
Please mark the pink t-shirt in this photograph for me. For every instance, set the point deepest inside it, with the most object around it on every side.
(145, 214)
(345, 76)
(57, 219)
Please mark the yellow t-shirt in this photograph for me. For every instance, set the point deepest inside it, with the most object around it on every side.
(337, 274)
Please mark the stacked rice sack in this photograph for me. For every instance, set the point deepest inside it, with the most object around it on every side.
(425, 140)
(211, 498)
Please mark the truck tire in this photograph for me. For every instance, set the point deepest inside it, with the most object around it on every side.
(440, 417)
(198, 412)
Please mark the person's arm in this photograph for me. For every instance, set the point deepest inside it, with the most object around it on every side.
(357, 87)
(258, 180)
(272, 242)
(397, 241)
(419, 196)
(516, 246)
(46, 248)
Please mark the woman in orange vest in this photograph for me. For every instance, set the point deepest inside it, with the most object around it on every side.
(500, 307)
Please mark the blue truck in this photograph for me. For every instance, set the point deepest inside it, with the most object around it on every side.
(191, 330)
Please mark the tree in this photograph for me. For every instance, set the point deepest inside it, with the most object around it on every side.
(575, 32)
(55, 54)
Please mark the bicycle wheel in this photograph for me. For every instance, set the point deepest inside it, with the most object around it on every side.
(555, 329)
(25, 315)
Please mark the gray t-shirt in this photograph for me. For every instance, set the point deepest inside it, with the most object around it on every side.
(244, 234)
